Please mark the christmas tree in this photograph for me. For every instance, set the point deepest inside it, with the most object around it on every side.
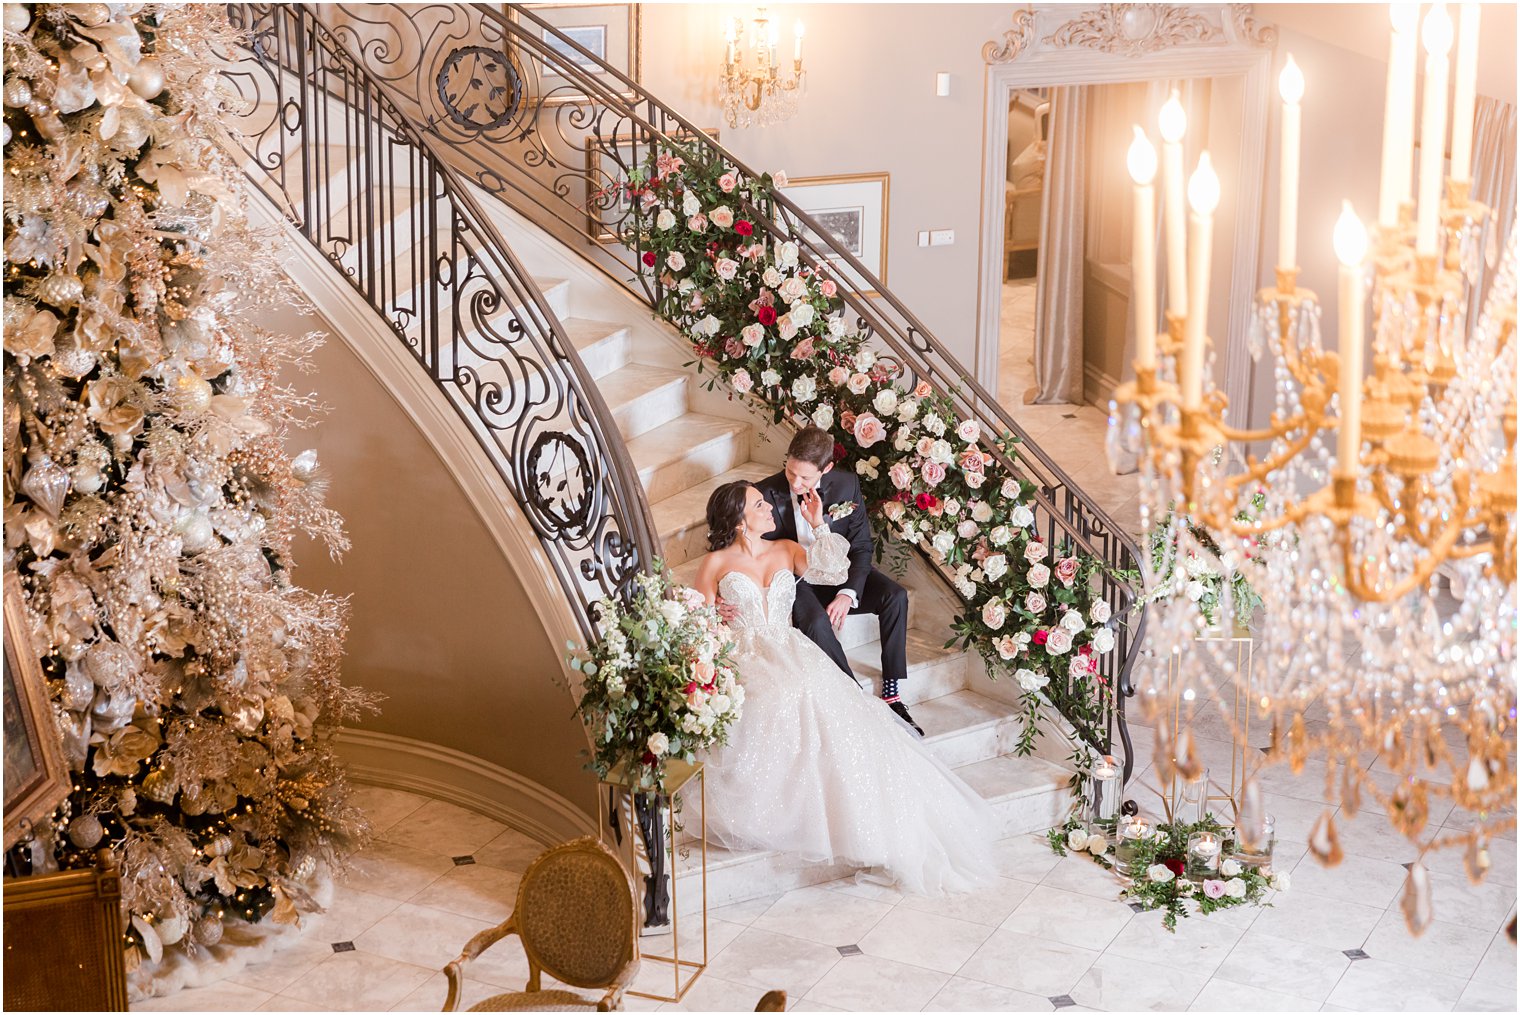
(150, 504)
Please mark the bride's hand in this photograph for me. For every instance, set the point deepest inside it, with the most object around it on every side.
(812, 508)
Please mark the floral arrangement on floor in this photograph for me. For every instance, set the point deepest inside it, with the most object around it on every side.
(1159, 874)
(777, 332)
(151, 506)
(660, 684)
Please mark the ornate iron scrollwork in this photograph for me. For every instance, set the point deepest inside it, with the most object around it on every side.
(479, 88)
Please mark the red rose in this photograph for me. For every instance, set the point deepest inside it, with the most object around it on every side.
(1177, 867)
(902, 497)
(926, 501)
(650, 758)
(648, 258)
(839, 452)
(1041, 636)
(691, 688)
(744, 227)
(765, 315)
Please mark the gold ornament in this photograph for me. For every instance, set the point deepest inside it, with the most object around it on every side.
(208, 930)
(147, 79)
(17, 17)
(85, 831)
(45, 484)
(18, 92)
(89, 15)
(60, 290)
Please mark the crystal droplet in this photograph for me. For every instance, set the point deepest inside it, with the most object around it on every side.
(1416, 901)
(45, 484)
(1251, 825)
(1477, 775)
(1476, 859)
(1163, 757)
(1351, 791)
(1324, 843)
(1187, 763)
(1409, 808)
(1298, 744)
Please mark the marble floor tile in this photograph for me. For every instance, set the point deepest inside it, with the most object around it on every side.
(1081, 876)
(889, 894)
(433, 991)
(1497, 967)
(350, 914)
(223, 996)
(923, 939)
(1115, 983)
(712, 993)
(1355, 879)
(1502, 869)
(511, 850)
(818, 914)
(1379, 985)
(1030, 964)
(474, 890)
(1079, 920)
(1222, 995)
(1458, 900)
(1332, 923)
(282, 1003)
(1483, 997)
(720, 933)
(774, 961)
(384, 807)
(745, 912)
(286, 965)
(443, 828)
(359, 981)
(1025, 857)
(396, 872)
(1199, 945)
(1275, 963)
(989, 906)
(1447, 948)
(867, 983)
(430, 938)
(960, 994)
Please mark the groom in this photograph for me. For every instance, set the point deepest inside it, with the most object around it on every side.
(819, 611)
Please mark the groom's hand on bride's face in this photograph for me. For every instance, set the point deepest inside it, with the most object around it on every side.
(838, 610)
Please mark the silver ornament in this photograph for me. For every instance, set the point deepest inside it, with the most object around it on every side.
(18, 92)
(61, 290)
(17, 17)
(88, 199)
(90, 15)
(72, 361)
(147, 79)
(85, 831)
(171, 928)
(304, 466)
(45, 484)
(196, 532)
(5, 137)
(192, 393)
(208, 930)
(87, 478)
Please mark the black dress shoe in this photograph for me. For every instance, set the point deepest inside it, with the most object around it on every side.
(905, 715)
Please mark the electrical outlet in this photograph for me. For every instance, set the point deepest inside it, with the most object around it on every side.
(941, 237)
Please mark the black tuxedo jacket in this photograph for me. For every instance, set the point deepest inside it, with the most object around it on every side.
(836, 487)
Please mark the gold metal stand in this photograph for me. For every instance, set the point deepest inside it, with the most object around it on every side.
(1240, 722)
(617, 792)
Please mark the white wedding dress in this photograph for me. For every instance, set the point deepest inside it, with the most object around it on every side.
(818, 768)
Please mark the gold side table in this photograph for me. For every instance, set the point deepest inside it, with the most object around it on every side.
(633, 816)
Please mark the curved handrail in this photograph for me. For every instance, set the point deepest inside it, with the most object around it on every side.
(531, 115)
(401, 225)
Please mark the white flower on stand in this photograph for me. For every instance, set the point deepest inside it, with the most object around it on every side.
(658, 744)
(1229, 868)
(1159, 873)
(1021, 516)
(665, 219)
(1031, 681)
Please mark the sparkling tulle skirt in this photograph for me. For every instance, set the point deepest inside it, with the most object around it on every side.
(818, 768)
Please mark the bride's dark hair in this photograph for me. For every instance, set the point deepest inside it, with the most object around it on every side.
(725, 510)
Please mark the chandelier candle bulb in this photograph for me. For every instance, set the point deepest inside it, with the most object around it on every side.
(1465, 93)
(1173, 127)
(1350, 242)
(1436, 35)
(797, 49)
(1203, 197)
(1398, 113)
(1291, 86)
(1142, 170)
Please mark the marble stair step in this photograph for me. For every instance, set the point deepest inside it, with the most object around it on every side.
(643, 397)
(963, 727)
(602, 345)
(687, 451)
(682, 518)
(1027, 794)
(933, 670)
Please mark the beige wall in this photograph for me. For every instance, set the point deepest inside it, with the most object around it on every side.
(441, 624)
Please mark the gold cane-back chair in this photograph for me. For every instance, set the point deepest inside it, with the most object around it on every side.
(578, 919)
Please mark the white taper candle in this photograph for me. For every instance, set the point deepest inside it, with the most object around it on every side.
(1465, 94)
(1399, 112)
(1291, 86)
(1173, 127)
(1350, 241)
(1436, 35)
(1203, 197)
(1142, 279)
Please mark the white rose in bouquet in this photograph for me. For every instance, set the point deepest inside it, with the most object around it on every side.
(805, 389)
(673, 611)
(982, 511)
(1010, 488)
(1001, 535)
(1059, 642)
(994, 614)
(771, 277)
(944, 541)
(1073, 622)
(1038, 576)
(1235, 888)
(1159, 873)
(1029, 680)
(1194, 590)
(1100, 612)
(995, 566)
(885, 402)
(823, 419)
(770, 378)
(658, 744)
(934, 425)
(967, 529)
(1076, 840)
(1103, 640)
(665, 219)
(690, 205)
(1035, 551)
(802, 314)
(1021, 516)
(1035, 603)
(1230, 867)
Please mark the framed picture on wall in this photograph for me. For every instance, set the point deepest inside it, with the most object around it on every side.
(851, 208)
(607, 163)
(609, 32)
(36, 778)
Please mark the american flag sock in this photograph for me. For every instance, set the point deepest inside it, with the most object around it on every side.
(889, 689)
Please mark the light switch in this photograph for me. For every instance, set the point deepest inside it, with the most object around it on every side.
(941, 237)
(942, 84)
(923, 238)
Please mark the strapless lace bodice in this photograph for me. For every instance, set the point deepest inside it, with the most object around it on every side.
(758, 608)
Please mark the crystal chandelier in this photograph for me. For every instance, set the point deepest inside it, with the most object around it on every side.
(751, 89)
(1365, 495)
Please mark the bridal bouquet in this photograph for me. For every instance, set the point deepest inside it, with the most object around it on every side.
(661, 683)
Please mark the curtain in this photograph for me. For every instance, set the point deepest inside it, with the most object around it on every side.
(1058, 294)
(1493, 171)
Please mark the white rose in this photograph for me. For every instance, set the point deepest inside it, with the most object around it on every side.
(885, 402)
(1059, 641)
(706, 326)
(1001, 535)
(944, 541)
(866, 466)
(865, 359)
(771, 277)
(993, 614)
(802, 315)
(1038, 576)
(981, 511)
(964, 587)
(665, 219)
(752, 334)
(1282, 881)
(675, 260)
(904, 439)
(1235, 888)
(995, 566)
(942, 452)
(858, 383)
(1073, 622)
(658, 744)
(951, 506)
(1194, 590)
(907, 410)
(1230, 867)
(770, 378)
(793, 289)
(742, 382)
(690, 205)
(967, 529)
(687, 285)
(1021, 516)
(722, 216)
(1100, 612)
(1159, 873)
(968, 431)
(910, 530)
(823, 419)
(1103, 640)
(1076, 839)
(1006, 647)
(838, 327)
(1034, 603)
(1097, 845)
(672, 611)
(805, 389)
(1010, 488)
(1031, 681)
(786, 254)
(934, 425)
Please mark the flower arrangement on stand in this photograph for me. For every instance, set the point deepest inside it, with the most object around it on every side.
(776, 331)
(1194, 572)
(1162, 872)
(660, 684)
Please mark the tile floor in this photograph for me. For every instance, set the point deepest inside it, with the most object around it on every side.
(1047, 935)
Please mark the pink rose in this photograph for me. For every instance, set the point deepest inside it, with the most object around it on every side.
(697, 223)
(893, 509)
(786, 327)
(742, 381)
(675, 260)
(803, 349)
(975, 479)
(1034, 603)
(1059, 641)
(1213, 889)
(859, 383)
(1039, 576)
(722, 216)
(726, 268)
(901, 475)
(1066, 570)
(752, 334)
(828, 288)
(971, 461)
(933, 473)
(1079, 667)
(868, 430)
(952, 506)
(922, 390)
(733, 347)
(967, 529)
(838, 376)
(1035, 551)
(968, 431)
(925, 446)
(728, 181)
(778, 179)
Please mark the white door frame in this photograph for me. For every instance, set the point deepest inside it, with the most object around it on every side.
(1117, 43)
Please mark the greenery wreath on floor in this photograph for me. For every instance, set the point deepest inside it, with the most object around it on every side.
(777, 333)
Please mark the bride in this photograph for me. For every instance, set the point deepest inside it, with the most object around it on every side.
(815, 766)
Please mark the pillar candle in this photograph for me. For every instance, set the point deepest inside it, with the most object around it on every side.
(1465, 93)
(1436, 35)
(1142, 170)
(1398, 113)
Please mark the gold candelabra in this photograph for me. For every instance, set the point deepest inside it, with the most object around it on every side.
(751, 89)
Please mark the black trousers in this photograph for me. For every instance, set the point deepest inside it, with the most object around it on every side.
(883, 597)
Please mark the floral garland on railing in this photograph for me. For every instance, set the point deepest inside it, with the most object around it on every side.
(776, 331)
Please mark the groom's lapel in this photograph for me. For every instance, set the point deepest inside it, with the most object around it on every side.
(777, 492)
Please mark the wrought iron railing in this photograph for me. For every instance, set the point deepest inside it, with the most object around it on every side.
(531, 116)
(366, 185)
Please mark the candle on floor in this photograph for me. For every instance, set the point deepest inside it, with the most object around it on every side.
(1203, 197)
(1436, 35)
(1291, 86)
(1173, 127)
(1142, 287)
(1350, 241)
(1398, 112)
